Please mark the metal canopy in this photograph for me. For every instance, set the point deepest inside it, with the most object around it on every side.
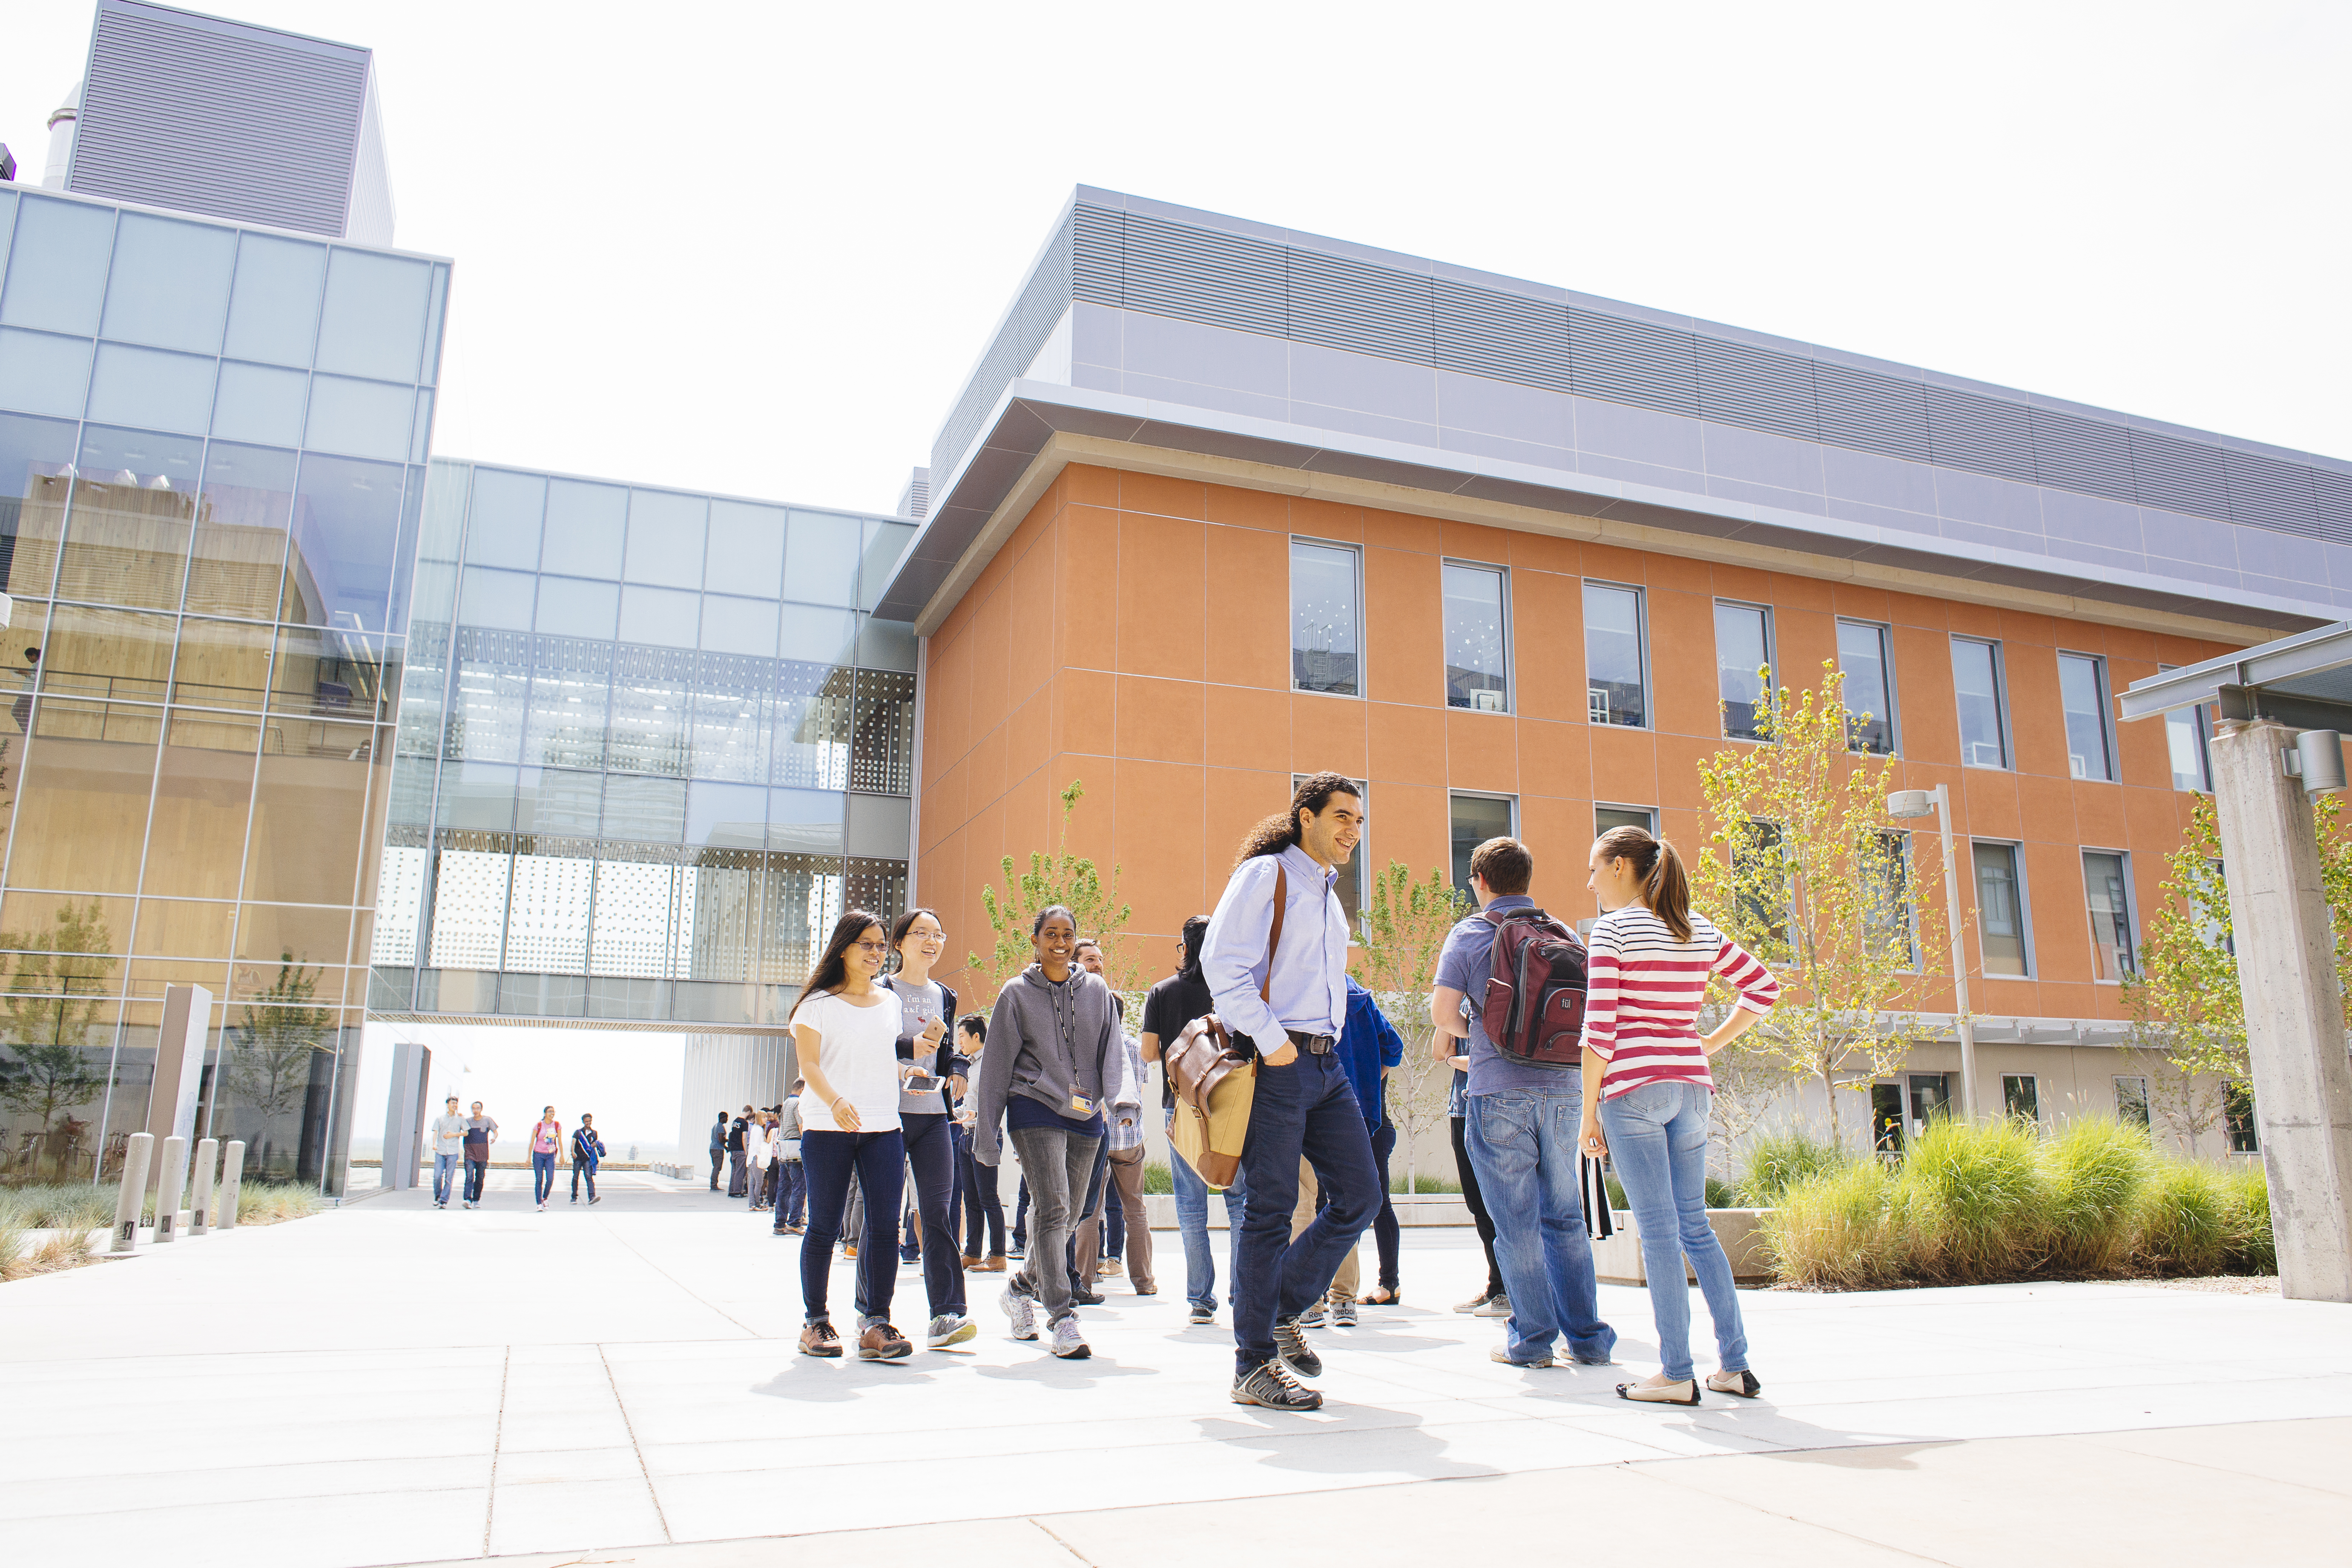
(2304, 680)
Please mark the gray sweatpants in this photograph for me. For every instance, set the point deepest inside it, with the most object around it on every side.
(1058, 1165)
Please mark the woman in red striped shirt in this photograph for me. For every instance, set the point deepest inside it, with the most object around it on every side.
(1647, 1090)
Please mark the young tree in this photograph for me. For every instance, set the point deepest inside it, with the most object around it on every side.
(54, 999)
(1806, 870)
(274, 1055)
(1404, 927)
(1063, 879)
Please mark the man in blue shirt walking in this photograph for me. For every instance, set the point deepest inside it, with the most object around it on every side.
(1286, 994)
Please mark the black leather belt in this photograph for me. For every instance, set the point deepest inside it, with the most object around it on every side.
(1313, 1045)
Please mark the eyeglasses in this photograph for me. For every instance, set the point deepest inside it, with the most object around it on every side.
(877, 948)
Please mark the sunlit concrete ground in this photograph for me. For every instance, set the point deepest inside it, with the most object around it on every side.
(390, 1384)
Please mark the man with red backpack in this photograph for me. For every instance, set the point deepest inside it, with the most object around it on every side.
(1510, 983)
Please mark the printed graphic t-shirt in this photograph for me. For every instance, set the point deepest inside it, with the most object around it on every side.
(478, 1136)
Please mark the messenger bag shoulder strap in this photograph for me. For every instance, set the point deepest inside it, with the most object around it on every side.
(1274, 937)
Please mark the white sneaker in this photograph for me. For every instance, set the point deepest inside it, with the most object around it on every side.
(542, 1208)
(1069, 1343)
(950, 1329)
(1496, 1306)
(1022, 1311)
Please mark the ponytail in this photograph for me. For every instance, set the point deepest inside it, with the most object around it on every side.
(1665, 886)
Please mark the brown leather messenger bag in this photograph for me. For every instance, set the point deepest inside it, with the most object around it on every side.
(1215, 1083)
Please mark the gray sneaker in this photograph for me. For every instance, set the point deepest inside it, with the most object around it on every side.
(1290, 1344)
(1022, 1311)
(1069, 1343)
(1312, 1318)
(950, 1329)
(1271, 1384)
(1343, 1313)
(1494, 1307)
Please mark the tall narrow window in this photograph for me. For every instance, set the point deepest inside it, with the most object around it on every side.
(1324, 640)
(1868, 665)
(1476, 818)
(1887, 890)
(2082, 696)
(1352, 875)
(1984, 717)
(2020, 1097)
(1615, 661)
(2131, 1100)
(2111, 933)
(2184, 737)
(1743, 666)
(2238, 1116)
(2001, 910)
(1475, 642)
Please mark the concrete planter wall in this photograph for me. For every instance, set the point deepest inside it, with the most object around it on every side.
(1618, 1261)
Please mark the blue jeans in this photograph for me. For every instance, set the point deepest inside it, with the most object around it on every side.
(1305, 1109)
(542, 1176)
(1523, 1144)
(448, 1176)
(790, 1196)
(1192, 1224)
(880, 1161)
(1657, 1140)
(584, 1168)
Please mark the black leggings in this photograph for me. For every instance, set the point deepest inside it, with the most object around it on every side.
(983, 1211)
(1484, 1221)
(880, 1161)
(930, 1154)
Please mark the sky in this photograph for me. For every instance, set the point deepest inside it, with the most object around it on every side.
(758, 247)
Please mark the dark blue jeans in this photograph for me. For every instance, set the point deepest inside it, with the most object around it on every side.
(1303, 1110)
(542, 1176)
(880, 1161)
(930, 1154)
(983, 1211)
(1524, 1144)
(793, 1196)
(1094, 1194)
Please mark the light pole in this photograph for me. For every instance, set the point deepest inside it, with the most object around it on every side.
(1937, 802)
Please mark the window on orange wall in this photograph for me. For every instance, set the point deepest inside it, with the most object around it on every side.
(1326, 604)
(2109, 893)
(1475, 819)
(1867, 660)
(2001, 936)
(1616, 656)
(1743, 662)
(1477, 639)
(1983, 705)
(2083, 696)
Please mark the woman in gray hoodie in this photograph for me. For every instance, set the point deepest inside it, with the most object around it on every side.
(1054, 1049)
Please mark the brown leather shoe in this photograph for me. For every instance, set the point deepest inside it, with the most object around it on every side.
(970, 1261)
(883, 1342)
(818, 1339)
(995, 1264)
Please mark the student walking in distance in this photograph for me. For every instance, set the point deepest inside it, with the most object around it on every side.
(481, 1132)
(587, 1154)
(448, 1153)
(847, 1028)
(1523, 1116)
(1647, 1090)
(926, 1045)
(546, 1143)
(739, 1153)
(718, 1149)
(1053, 1049)
(758, 1151)
(1276, 959)
(1168, 1007)
(791, 1182)
(983, 1208)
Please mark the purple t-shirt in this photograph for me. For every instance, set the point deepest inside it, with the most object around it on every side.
(1466, 961)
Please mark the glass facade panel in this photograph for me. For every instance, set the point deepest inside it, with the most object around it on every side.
(572, 607)
(665, 540)
(644, 810)
(738, 626)
(238, 565)
(1984, 719)
(183, 928)
(564, 803)
(133, 507)
(273, 313)
(732, 701)
(747, 550)
(357, 418)
(82, 796)
(503, 526)
(2184, 740)
(346, 527)
(42, 372)
(2082, 695)
(311, 792)
(661, 618)
(1616, 657)
(2112, 949)
(491, 599)
(2001, 910)
(259, 403)
(57, 267)
(821, 552)
(1325, 649)
(221, 664)
(117, 655)
(2131, 1100)
(805, 821)
(885, 543)
(547, 910)
(333, 674)
(490, 695)
(1475, 819)
(1475, 672)
(477, 796)
(1868, 664)
(570, 689)
(151, 389)
(169, 288)
(585, 527)
(272, 934)
(203, 795)
(57, 1032)
(373, 323)
(818, 637)
(813, 707)
(653, 698)
(34, 457)
(1743, 667)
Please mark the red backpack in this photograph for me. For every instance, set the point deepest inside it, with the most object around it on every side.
(1534, 1006)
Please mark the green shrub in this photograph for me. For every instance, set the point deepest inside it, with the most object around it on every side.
(1158, 1177)
(1974, 1199)
(61, 1206)
(267, 1203)
(13, 1251)
(1838, 1230)
(1780, 1161)
(2252, 1248)
(2185, 1212)
(2094, 1173)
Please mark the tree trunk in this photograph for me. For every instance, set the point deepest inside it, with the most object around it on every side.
(1829, 1089)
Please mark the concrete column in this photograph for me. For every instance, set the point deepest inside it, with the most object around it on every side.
(404, 1116)
(232, 1181)
(200, 1189)
(137, 1154)
(179, 1062)
(171, 1178)
(2294, 1009)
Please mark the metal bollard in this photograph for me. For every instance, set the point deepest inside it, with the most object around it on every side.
(136, 1155)
(200, 1189)
(170, 1177)
(232, 1179)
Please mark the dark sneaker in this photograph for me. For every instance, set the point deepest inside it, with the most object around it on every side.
(1290, 1344)
(883, 1342)
(818, 1339)
(1204, 1314)
(1086, 1297)
(1271, 1384)
(1343, 1313)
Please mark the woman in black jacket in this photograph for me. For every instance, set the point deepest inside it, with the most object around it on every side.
(927, 1039)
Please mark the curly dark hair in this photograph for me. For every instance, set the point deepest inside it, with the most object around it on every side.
(1280, 831)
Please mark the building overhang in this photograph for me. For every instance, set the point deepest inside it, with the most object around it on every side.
(2304, 681)
(1037, 428)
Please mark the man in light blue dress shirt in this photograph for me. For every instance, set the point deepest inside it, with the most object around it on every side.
(1304, 1106)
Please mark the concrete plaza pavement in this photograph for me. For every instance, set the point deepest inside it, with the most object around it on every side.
(389, 1383)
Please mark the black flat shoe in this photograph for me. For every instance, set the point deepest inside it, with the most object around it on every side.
(1741, 1384)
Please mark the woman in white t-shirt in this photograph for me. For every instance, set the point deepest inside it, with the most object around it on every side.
(847, 1028)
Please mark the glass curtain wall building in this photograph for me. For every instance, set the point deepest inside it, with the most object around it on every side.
(212, 445)
(651, 745)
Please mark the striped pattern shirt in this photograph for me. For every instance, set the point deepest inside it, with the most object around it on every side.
(1643, 991)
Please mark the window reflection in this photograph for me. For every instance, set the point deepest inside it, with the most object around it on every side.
(81, 797)
(117, 656)
(273, 314)
(571, 688)
(1865, 660)
(1615, 662)
(1474, 638)
(347, 518)
(169, 284)
(309, 808)
(1324, 649)
(335, 674)
(652, 700)
(2082, 694)
(1976, 684)
(36, 455)
(133, 510)
(2001, 910)
(203, 795)
(221, 664)
(1743, 658)
(240, 562)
